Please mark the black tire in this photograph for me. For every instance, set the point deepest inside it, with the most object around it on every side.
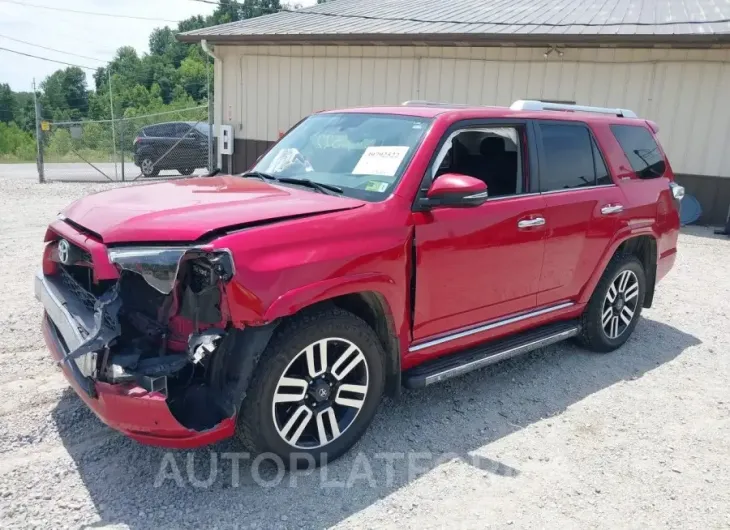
(256, 427)
(147, 165)
(186, 170)
(593, 335)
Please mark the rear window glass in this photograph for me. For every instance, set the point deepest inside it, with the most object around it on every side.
(641, 150)
(568, 157)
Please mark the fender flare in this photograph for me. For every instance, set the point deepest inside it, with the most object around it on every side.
(628, 232)
(394, 336)
(297, 299)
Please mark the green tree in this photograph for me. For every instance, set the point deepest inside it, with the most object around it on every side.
(193, 77)
(172, 76)
(8, 104)
(65, 95)
(15, 141)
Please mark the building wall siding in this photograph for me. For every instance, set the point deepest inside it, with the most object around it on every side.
(267, 89)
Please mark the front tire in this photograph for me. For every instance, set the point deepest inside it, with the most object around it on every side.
(615, 306)
(186, 170)
(315, 390)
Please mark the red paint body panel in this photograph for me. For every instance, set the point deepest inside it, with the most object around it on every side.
(185, 210)
(577, 235)
(460, 253)
(295, 247)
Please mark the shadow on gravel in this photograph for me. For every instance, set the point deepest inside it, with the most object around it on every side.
(146, 487)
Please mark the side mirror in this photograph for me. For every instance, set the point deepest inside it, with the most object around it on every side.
(455, 191)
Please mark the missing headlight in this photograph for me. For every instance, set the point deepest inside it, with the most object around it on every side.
(160, 266)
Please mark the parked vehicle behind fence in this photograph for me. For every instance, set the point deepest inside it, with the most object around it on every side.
(179, 145)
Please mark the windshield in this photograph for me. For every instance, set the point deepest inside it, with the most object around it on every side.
(363, 154)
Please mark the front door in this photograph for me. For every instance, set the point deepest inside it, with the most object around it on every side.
(474, 265)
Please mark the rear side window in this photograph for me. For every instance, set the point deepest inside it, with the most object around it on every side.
(183, 129)
(641, 149)
(567, 156)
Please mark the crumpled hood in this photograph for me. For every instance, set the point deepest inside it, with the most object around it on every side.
(185, 210)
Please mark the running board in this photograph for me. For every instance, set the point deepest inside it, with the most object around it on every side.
(456, 364)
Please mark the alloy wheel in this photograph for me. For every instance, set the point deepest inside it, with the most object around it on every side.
(320, 393)
(147, 166)
(619, 305)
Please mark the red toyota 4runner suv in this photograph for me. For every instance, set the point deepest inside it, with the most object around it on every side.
(369, 249)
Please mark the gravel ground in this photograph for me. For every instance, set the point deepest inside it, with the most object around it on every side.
(560, 438)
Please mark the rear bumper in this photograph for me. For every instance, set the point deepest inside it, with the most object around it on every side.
(665, 263)
(143, 416)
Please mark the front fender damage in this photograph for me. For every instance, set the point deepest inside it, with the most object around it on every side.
(165, 326)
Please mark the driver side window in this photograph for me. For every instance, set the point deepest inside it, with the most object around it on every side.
(492, 155)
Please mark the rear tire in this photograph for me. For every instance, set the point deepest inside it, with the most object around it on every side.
(615, 306)
(148, 167)
(305, 405)
(186, 170)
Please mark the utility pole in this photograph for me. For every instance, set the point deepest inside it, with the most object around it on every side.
(39, 147)
(211, 164)
(111, 109)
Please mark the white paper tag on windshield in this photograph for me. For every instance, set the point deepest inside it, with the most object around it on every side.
(380, 160)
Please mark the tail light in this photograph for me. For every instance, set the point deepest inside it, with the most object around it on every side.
(136, 140)
(677, 193)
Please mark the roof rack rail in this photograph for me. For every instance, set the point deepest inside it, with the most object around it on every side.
(424, 103)
(530, 104)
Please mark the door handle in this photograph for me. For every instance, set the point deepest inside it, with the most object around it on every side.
(529, 223)
(612, 208)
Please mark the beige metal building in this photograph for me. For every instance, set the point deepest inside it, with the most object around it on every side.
(668, 60)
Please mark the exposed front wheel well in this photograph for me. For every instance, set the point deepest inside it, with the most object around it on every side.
(644, 248)
(374, 310)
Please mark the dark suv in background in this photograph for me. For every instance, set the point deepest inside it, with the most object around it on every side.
(178, 145)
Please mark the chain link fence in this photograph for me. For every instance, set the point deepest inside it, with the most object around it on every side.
(165, 144)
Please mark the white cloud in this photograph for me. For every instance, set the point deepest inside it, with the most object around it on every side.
(89, 35)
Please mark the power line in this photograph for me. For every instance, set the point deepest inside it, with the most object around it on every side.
(487, 22)
(93, 13)
(53, 49)
(46, 59)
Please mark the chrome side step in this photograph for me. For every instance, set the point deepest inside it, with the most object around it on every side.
(485, 354)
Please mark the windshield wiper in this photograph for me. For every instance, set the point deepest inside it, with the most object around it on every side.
(327, 189)
(259, 175)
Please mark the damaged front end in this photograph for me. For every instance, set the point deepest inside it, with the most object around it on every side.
(161, 331)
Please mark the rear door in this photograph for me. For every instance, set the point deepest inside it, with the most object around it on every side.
(582, 207)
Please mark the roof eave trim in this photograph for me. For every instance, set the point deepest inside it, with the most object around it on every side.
(452, 39)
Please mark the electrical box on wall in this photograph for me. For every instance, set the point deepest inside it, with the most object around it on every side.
(226, 140)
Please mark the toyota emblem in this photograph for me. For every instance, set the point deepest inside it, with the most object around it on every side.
(64, 251)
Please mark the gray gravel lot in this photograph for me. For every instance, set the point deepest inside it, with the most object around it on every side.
(80, 172)
(561, 438)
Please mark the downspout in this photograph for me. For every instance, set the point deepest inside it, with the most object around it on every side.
(211, 109)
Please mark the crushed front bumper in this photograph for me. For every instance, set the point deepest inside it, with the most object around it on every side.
(143, 416)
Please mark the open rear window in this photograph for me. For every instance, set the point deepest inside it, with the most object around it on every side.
(641, 149)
